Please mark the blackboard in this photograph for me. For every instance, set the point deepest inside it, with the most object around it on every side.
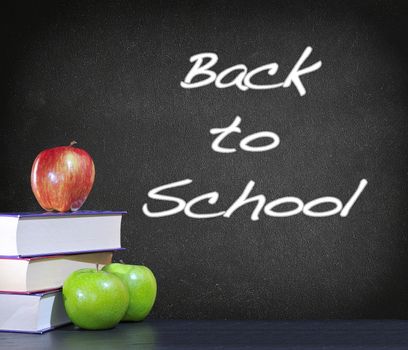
(108, 74)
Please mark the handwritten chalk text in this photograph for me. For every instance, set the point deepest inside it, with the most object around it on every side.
(245, 142)
(269, 209)
(243, 79)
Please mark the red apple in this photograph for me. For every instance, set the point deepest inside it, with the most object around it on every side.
(62, 177)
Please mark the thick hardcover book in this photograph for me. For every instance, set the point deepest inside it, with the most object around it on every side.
(32, 313)
(33, 275)
(50, 233)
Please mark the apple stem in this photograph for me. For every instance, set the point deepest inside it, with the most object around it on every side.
(73, 143)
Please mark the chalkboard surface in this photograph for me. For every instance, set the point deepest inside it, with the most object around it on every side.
(115, 77)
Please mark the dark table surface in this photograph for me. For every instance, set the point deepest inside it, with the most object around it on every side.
(177, 334)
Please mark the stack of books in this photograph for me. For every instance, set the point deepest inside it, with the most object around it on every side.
(38, 252)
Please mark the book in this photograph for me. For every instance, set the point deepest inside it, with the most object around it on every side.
(32, 313)
(33, 275)
(50, 233)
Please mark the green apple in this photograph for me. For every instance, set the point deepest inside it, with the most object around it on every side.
(142, 288)
(95, 299)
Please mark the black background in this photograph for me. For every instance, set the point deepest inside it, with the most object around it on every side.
(107, 74)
